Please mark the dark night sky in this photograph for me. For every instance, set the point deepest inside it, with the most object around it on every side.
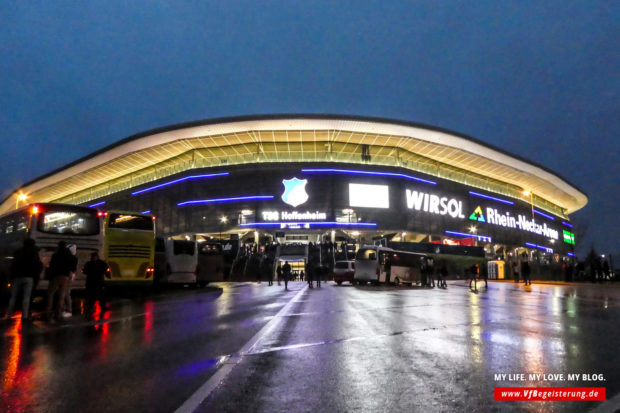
(539, 79)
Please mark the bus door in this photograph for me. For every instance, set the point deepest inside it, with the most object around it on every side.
(384, 266)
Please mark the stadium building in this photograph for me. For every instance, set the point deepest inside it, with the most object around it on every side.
(309, 178)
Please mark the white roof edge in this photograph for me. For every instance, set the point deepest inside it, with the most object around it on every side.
(386, 128)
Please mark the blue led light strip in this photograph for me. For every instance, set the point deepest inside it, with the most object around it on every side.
(464, 234)
(349, 171)
(148, 211)
(317, 223)
(234, 199)
(505, 201)
(540, 247)
(570, 254)
(97, 204)
(567, 224)
(544, 215)
(176, 181)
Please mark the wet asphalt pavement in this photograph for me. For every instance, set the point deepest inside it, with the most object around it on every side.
(251, 347)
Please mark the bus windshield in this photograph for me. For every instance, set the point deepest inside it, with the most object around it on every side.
(68, 222)
(183, 247)
(128, 221)
(366, 254)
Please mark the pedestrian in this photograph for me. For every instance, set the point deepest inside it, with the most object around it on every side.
(515, 270)
(279, 272)
(62, 264)
(443, 273)
(430, 268)
(423, 271)
(68, 305)
(606, 274)
(525, 273)
(268, 269)
(286, 273)
(95, 271)
(473, 276)
(25, 268)
(599, 270)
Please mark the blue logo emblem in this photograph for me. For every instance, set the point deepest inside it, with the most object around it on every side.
(295, 191)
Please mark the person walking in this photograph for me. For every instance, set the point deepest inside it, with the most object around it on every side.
(430, 268)
(423, 271)
(25, 268)
(286, 273)
(68, 304)
(279, 272)
(267, 269)
(525, 273)
(95, 271)
(62, 264)
(473, 271)
(515, 271)
(441, 279)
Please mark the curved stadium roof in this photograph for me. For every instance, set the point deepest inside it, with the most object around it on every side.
(166, 151)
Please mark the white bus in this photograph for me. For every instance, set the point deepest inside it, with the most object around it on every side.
(48, 224)
(176, 261)
(377, 264)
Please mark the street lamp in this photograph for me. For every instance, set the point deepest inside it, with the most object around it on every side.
(529, 193)
(223, 220)
(20, 197)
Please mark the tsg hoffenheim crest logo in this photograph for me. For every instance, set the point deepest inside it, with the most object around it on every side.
(294, 191)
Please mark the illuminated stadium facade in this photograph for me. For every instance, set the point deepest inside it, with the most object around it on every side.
(313, 177)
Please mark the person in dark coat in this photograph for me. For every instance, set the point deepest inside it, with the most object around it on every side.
(441, 280)
(525, 273)
(95, 271)
(25, 268)
(473, 276)
(286, 273)
(62, 264)
(266, 269)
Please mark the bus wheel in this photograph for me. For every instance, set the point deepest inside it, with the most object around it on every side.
(397, 281)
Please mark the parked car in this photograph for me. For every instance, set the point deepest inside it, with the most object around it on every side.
(343, 271)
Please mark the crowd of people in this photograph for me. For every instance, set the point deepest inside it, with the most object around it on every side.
(252, 262)
(25, 272)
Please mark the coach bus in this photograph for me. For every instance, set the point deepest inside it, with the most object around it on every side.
(377, 264)
(47, 224)
(129, 247)
(177, 261)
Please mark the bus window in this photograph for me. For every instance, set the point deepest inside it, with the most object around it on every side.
(125, 221)
(78, 223)
(366, 254)
(183, 247)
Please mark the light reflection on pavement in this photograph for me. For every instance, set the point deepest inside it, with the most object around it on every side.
(337, 349)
